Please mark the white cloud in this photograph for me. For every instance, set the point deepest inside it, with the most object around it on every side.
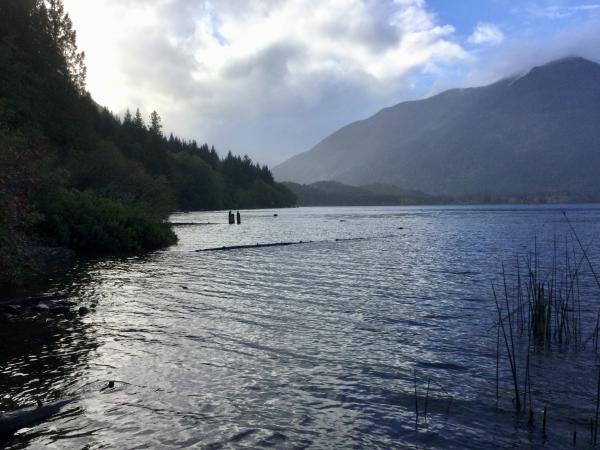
(556, 12)
(267, 77)
(517, 57)
(486, 34)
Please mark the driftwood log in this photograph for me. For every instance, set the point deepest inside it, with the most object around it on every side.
(276, 244)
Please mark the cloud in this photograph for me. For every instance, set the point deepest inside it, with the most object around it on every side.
(486, 34)
(273, 77)
(517, 57)
(266, 77)
(556, 12)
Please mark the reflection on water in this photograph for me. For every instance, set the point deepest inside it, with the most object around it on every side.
(316, 345)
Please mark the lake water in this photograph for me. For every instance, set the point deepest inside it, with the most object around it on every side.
(316, 345)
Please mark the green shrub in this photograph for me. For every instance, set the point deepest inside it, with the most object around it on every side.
(91, 224)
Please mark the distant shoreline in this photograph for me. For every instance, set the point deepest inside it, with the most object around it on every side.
(333, 193)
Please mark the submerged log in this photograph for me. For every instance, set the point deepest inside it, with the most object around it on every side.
(191, 224)
(11, 422)
(281, 244)
(240, 247)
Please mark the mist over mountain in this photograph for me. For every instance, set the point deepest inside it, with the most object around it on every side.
(538, 133)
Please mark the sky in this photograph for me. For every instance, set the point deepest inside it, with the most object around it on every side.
(271, 78)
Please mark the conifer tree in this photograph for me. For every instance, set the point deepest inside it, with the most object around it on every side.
(155, 124)
(128, 119)
(64, 38)
(138, 121)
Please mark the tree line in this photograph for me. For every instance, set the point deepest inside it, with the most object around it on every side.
(74, 174)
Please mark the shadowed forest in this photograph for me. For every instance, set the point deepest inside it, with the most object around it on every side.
(75, 175)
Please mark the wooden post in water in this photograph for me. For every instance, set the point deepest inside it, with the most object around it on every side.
(239, 218)
(231, 218)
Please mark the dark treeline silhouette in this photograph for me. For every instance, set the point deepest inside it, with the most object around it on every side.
(73, 174)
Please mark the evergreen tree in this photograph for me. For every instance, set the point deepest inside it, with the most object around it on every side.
(128, 119)
(155, 124)
(64, 38)
(138, 121)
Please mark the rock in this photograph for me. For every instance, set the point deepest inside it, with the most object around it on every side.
(93, 305)
(41, 307)
(49, 259)
(83, 311)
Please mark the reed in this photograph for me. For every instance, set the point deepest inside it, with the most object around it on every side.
(426, 401)
(424, 412)
(544, 305)
(597, 409)
(539, 310)
(509, 350)
(416, 403)
(545, 414)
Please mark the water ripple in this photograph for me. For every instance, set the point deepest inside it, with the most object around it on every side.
(312, 346)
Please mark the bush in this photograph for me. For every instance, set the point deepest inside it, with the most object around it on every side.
(91, 224)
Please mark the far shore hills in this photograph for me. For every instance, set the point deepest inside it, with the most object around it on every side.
(333, 193)
(530, 138)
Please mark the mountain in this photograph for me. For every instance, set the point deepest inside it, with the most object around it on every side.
(534, 134)
(332, 193)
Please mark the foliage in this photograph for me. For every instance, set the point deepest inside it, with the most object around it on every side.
(197, 186)
(92, 224)
(18, 164)
(332, 193)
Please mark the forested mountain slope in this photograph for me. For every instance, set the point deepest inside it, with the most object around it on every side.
(523, 136)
